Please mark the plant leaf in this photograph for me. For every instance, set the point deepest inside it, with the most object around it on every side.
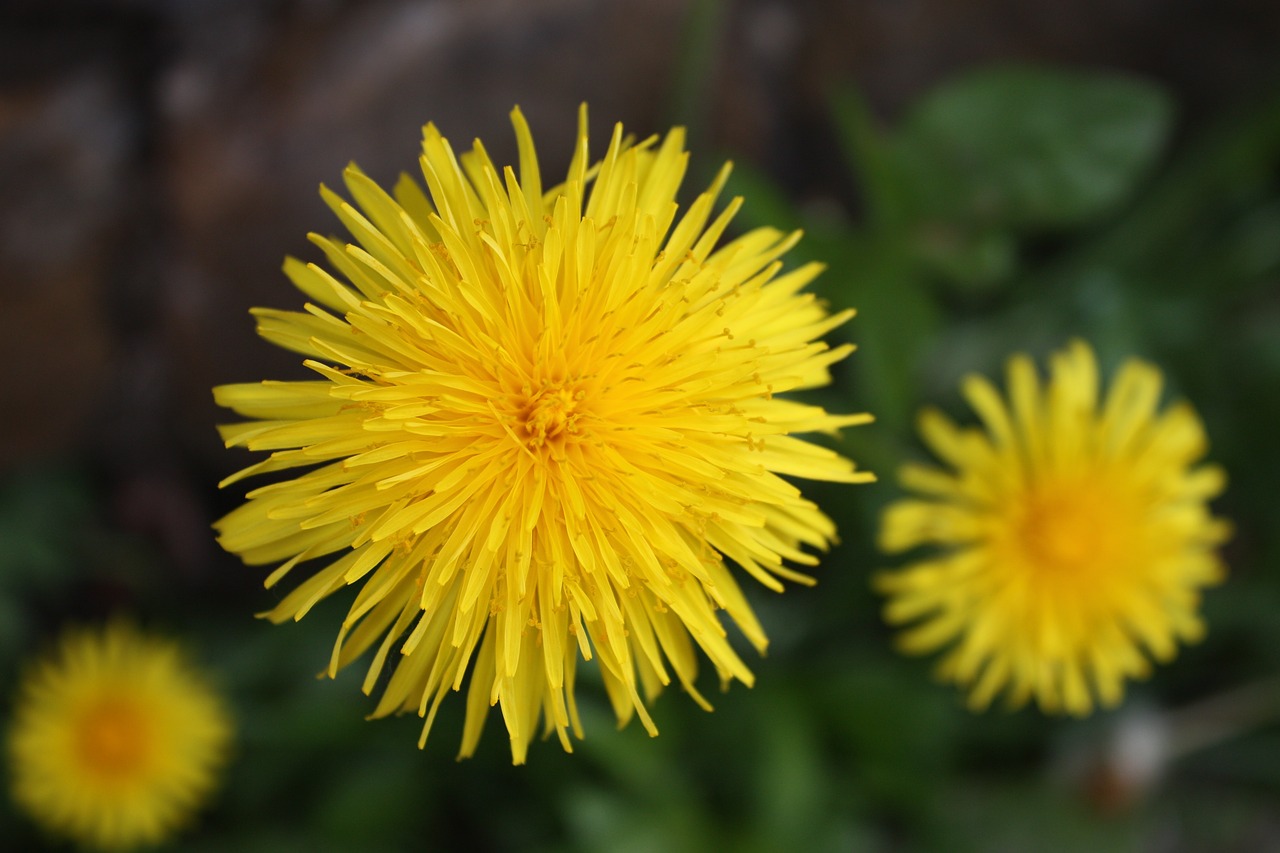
(1031, 147)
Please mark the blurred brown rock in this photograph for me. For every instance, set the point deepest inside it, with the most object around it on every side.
(64, 142)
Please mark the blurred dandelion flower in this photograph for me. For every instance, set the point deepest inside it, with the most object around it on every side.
(1074, 539)
(542, 420)
(115, 741)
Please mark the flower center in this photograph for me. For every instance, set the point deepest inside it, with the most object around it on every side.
(552, 413)
(112, 739)
(1073, 527)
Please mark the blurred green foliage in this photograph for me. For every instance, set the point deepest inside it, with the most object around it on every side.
(1010, 209)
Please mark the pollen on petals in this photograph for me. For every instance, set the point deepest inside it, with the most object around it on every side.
(545, 424)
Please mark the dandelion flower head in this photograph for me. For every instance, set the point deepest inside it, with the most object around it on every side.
(115, 740)
(1071, 536)
(542, 419)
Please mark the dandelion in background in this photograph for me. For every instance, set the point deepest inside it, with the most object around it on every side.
(541, 422)
(1072, 539)
(115, 740)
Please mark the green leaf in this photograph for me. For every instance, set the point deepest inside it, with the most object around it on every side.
(897, 319)
(699, 47)
(764, 202)
(1226, 172)
(973, 261)
(868, 151)
(1031, 147)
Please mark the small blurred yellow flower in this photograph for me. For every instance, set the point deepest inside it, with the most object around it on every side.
(542, 421)
(1073, 540)
(115, 741)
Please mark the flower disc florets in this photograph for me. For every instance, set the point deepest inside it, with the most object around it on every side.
(542, 421)
(1072, 535)
(116, 740)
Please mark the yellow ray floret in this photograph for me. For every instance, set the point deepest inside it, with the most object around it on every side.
(115, 741)
(1071, 536)
(542, 422)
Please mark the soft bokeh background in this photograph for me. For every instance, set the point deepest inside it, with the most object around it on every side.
(980, 177)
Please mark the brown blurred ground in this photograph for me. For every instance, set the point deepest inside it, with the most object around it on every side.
(159, 159)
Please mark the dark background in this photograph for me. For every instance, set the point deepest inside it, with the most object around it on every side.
(158, 160)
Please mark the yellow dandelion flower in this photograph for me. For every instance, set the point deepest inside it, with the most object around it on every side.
(542, 421)
(1073, 538)
(115, 740)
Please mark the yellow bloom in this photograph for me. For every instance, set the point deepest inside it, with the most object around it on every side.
(1073, 539)
(542, 420)
(115, 741)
